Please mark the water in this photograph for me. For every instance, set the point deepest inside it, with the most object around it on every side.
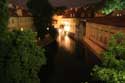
(69, 61)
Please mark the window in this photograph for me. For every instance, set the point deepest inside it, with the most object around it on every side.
(12, 21)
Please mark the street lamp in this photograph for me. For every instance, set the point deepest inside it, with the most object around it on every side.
(21, 29)
(47, 28)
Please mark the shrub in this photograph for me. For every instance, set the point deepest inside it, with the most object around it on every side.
(112, 68)
(22, 58)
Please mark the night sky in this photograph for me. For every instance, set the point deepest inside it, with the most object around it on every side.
(67, 3)
(72, 3)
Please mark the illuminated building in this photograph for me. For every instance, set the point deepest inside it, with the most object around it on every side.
(99, 31)
(20, 18)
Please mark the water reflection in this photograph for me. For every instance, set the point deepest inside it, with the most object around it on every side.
(67, 61)
(65, 42)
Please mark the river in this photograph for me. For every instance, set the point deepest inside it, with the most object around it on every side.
(67, 62)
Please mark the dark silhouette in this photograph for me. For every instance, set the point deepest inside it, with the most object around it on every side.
(42, 12)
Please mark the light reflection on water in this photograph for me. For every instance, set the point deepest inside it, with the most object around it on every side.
(65, 42)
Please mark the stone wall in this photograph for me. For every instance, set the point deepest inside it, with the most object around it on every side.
(99, 31)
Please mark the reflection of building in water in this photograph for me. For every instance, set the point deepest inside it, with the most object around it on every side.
(99, 31)
(66, 42)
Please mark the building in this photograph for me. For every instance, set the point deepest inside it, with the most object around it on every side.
(114, 13)
(20, 18)
(57, 21)
(99, 31)
(73, 20)
(118, 13)
(70, 24)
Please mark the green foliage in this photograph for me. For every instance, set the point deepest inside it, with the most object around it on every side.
(117, 45)
(20, 58)
(42, 12)
(111, 5)
(112, 69)
(109, 75)
(3, 15)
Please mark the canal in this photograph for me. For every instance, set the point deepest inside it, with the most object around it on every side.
(68, 61)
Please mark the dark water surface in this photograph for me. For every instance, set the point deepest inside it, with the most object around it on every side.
(68, 61)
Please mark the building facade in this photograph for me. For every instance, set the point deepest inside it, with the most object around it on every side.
(20, 18)
(100, 30)
(68, 25)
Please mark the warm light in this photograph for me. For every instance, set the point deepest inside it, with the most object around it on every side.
(66, 26)
(117, 14)
(60, 31)
(21, 29)
(58, 19)
(47, 28)
(65, 42)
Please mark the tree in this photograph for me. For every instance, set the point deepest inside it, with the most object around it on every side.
(20, 57)
(42, 12)
(25, 58)
(111, 5)
(3, 15)
(3, 43)
(112, 68)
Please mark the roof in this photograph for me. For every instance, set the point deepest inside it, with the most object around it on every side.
(109, 20)
(24, 12)
(117, 12)
(12, 12)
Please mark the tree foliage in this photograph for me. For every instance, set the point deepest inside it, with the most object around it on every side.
(22, 58)
(42, 12)
(3, 15)
(111, 5)
(112, 69)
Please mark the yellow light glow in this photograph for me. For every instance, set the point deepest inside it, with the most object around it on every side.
(47, 28)
(66, 26)
(59, 31)
(21, 29)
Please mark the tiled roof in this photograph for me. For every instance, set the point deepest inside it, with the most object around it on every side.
(13, 11)
(109, 20)
(26, 13)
